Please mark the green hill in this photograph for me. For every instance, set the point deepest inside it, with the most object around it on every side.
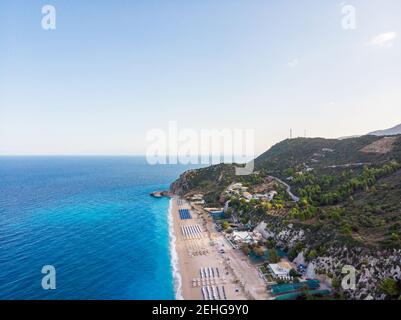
(349, 189)
(320, 153)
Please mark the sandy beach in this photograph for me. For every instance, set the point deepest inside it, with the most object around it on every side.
(206, 271)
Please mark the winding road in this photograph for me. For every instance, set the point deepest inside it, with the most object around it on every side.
(288, 187)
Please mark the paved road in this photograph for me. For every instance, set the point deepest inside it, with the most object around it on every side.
(293, 196)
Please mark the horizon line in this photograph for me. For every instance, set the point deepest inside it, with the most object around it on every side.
(112, 155)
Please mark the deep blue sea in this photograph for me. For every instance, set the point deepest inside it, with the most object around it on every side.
(91, 218)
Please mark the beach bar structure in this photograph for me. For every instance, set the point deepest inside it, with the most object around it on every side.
(280, 270)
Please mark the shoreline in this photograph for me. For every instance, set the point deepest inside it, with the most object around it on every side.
(177, 279)
(181, 269)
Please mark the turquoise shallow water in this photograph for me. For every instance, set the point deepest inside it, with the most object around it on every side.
(91, 218)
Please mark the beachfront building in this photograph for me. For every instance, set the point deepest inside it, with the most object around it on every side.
(240, 237)
(281, 270)
(197, 199)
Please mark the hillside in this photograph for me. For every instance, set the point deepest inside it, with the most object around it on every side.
(210, 181)
(387, 132)
(349, 189)
(320, 153)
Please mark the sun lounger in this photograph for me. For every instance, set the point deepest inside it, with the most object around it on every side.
(224, 293)
(214, 293)
(203, 293)
(218, 293)
(208, 293)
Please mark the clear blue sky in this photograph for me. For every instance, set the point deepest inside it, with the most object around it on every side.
(112, 70)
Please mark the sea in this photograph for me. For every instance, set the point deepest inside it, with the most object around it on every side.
(93, 220)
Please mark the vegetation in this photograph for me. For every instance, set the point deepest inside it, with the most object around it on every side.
(312, 254)
(273, 256)
(293, 273)
(225, 225)
(345, 194)
(245, 249)
(330, 190)
(258, 251)
(295, 250)
(390, 287)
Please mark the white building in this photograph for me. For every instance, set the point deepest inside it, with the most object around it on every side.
(271, 195)
(242, 237)
(246, 237)
(236, 188)
(280, 270)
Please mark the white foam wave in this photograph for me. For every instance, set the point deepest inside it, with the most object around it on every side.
(174, 256)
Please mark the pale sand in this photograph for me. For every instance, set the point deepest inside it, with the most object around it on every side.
(239, 278)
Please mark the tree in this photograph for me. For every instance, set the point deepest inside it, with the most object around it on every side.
(267, 206)
(395, 237)
(312, 254)
(345, 228)
(273, 256)
(390, 287)
(293, 273)
(258, 251)
(294, 213)
(245, 249)
(335, 284)
(295, 250)
(304, 202)
(225, 225)
(270, 244)
(289, 172)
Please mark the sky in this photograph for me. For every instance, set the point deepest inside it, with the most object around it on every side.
(112, 71)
